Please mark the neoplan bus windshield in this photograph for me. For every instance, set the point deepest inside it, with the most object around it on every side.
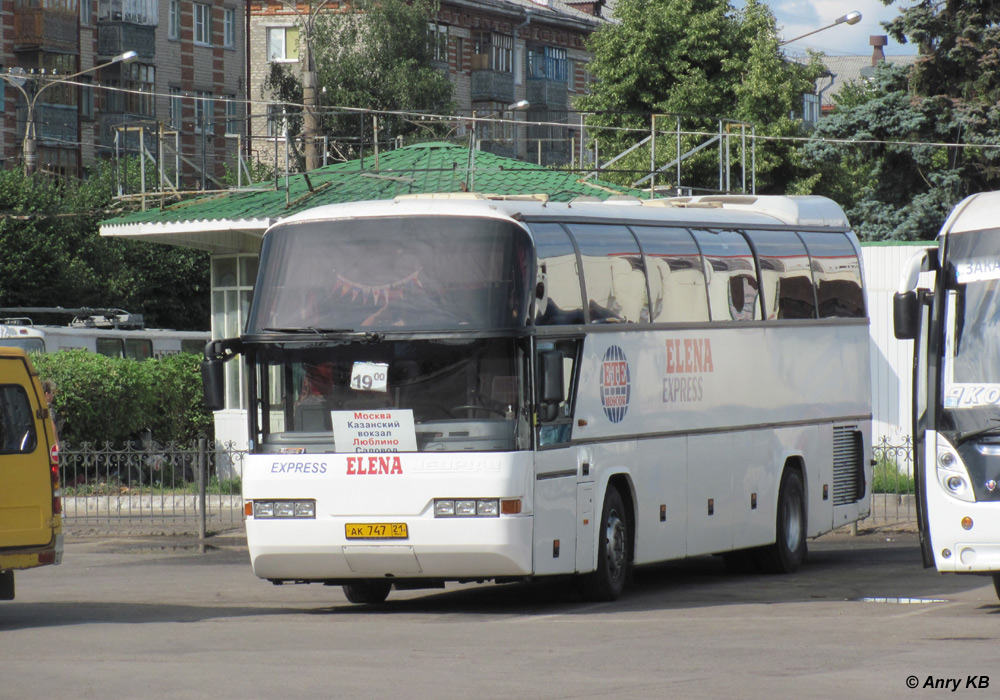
(418, 273)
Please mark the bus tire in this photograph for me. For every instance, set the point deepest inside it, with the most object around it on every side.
(996, 584)
(368, 592)
(788, 552)
(607, 582)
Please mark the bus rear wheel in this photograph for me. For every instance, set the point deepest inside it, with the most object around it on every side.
(607, 582)
(370, 592)
(788, 552)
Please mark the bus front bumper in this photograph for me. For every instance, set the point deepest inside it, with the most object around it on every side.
(966, 537)
(444, 548)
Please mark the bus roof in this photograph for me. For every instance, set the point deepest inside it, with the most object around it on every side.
(974, 213)
(718, 210)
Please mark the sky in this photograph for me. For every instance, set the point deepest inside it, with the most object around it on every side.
(796, 17)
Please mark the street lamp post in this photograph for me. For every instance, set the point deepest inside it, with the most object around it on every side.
(20, 77)
(310, 119)
(849, 18)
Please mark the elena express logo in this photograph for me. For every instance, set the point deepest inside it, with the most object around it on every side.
(616, 384)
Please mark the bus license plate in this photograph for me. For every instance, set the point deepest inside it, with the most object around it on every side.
(376, 531)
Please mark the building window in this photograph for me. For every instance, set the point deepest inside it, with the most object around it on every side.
(547, 63)
(498, 50)
(499, 127)
(135, 93)
(86, 12)
(60, 64)
(176, 109)
(229, 26)
(202, 24)
(232, 116)
(145, 12)
(276, 121)
(233, 277)
(459, 53)
(174, 20)
(282, 44)
(437, 38)
(204, 109)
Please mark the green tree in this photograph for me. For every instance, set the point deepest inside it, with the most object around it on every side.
(52, 255)
(376, 56)
(706, 61)
(890, 188)
(947, 101)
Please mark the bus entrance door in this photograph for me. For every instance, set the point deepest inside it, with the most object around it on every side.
(561, 499)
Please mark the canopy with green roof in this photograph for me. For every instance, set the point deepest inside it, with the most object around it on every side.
(234, 222)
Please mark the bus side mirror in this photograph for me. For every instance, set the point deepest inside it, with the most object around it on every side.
(552, 384)
(905, 315)
(213, 375)
(213, 383)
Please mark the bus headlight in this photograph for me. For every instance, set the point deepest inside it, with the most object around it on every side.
(466, 508)
(951, 473)
(284, 509)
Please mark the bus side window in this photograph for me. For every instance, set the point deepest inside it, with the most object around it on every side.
(838, 275)
(558, 300)
(17, 427)
(787, 287)
(676, 274)
(110, 347)
(556, 419)
(613, 272)
(138, 348)
(733, 290)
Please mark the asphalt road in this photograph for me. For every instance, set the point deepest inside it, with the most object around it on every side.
(158, 619)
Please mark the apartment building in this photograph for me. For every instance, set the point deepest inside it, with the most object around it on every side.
(495, 52)
(181, 102)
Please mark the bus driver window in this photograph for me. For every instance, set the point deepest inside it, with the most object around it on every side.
(556, 419)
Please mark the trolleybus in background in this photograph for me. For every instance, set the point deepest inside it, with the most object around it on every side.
(955, 323)
(448, 389)
(110, 332)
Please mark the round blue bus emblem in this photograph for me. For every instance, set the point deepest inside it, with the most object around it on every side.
(615, 384)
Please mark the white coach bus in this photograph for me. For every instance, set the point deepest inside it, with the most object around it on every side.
(465, 389)
(955, 322)
(110, 332)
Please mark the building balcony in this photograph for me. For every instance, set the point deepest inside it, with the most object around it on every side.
(549, 93)
(54, 124)
(45, 29)
(491, 85)
(116, 37)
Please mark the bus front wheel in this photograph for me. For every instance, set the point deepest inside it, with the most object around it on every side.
(788, 552)
(608, 581)
(368, 592)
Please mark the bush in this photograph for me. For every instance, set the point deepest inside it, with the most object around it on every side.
(887, 478)
(108, 399)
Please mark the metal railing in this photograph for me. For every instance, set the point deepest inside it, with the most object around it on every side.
(186, 488)
(893, 499)
(148, 486)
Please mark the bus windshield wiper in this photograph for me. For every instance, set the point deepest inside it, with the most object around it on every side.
(966, 436)
(309, 329)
